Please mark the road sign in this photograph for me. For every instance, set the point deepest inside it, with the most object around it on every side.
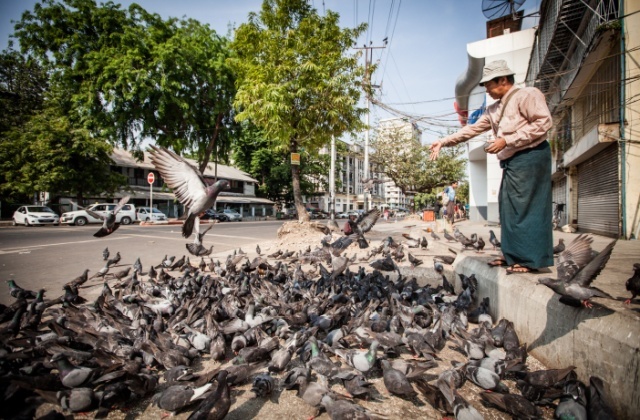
(151, 178)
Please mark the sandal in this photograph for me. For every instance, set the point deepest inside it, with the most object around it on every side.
(517, 268)
(498, 262)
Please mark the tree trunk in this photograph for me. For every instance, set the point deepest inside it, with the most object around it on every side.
(211, 144)
(303, 216)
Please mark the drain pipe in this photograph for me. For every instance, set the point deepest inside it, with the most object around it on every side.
(465, 84)
(623, 148)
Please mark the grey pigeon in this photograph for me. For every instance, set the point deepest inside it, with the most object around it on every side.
(177, 397)
(435, 236)
(559, 248)
(494, 241)
(215, 405)
(187, 184)
(105, 254)
(109, 224)
(516, 405)
(577, 270)
(633, 284)
(598, 408)
(463, 410)
(196, 248)
(263, 385)
(396, 381)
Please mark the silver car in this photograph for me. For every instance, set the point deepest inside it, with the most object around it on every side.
(231, 214)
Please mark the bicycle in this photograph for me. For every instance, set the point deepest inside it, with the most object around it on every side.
(557, 214)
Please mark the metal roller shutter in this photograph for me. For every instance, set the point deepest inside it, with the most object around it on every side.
(560, 196)
(598, 194)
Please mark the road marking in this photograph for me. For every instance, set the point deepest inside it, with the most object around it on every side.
(183, 239)
(34, 247)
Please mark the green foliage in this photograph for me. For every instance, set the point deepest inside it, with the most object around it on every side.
(22, 87)
(272, 167)
(296, 81)
(462, 192)
(49, 153)
(127, 72)
(407, 163)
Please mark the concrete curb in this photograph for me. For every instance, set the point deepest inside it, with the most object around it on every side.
(601, 341)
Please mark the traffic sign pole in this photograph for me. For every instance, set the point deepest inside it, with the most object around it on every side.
(150, 178)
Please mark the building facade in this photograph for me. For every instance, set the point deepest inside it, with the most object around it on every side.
(350, 192)
(584, 61)
(240, 197)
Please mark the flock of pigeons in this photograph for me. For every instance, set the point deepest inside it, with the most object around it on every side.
(277, 326)
(273, 323)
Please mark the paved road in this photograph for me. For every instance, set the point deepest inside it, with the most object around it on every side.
(49, 256)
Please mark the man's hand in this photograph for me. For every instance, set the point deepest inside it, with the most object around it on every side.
(496, 146)
(435, 150)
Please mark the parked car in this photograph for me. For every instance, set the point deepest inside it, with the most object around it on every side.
(35, 215)
(343, 215)
(316, 214)
(231, 214)
(213, 215)
(144, 214)
(80, 217)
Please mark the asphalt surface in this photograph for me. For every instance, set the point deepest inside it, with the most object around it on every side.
(49, 256)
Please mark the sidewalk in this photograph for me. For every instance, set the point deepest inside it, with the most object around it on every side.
(603, 341)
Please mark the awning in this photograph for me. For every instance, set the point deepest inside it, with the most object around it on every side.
(138, 193)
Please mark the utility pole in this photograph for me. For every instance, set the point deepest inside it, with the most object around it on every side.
(332, 180)
(368, 56)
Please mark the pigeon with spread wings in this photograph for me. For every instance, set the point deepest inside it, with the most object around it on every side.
(187, 184)
(576, 271)
(363, 224)
(109, 224)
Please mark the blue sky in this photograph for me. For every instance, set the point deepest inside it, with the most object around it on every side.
(417, 70)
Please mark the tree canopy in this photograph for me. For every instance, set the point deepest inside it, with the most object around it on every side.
(407, 162)
(49, 154)
(129, 75)
(296, 80)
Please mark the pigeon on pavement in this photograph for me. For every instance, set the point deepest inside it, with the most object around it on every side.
(494, 241)
(187, 184)
(633, 284)
(559, 248)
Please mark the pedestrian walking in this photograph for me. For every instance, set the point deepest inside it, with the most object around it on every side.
(519, 120)
(449, 200)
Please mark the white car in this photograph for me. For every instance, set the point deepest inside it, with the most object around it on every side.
(343, 215)
(80, 217)
(145, 215)
(35, 215)
(231, 214)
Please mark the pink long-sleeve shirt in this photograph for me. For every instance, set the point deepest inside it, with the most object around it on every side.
(524, 124)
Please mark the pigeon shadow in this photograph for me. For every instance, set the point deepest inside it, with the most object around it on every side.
(251, 407)
(563, 318)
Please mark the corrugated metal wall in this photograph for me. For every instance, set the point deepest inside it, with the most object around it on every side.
(598, 194)
(560, 196)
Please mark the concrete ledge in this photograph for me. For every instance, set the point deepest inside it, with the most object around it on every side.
(603, 341)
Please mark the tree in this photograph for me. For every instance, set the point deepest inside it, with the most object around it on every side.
(272, 167)
(411, 169)
(296, 81)
(130, 75)
(23, 84)
(49, 154)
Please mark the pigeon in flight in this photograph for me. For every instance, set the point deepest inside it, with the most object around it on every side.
(109, 224)
(187, 184)
(576, 270)
(196, 248)
(363, 224)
